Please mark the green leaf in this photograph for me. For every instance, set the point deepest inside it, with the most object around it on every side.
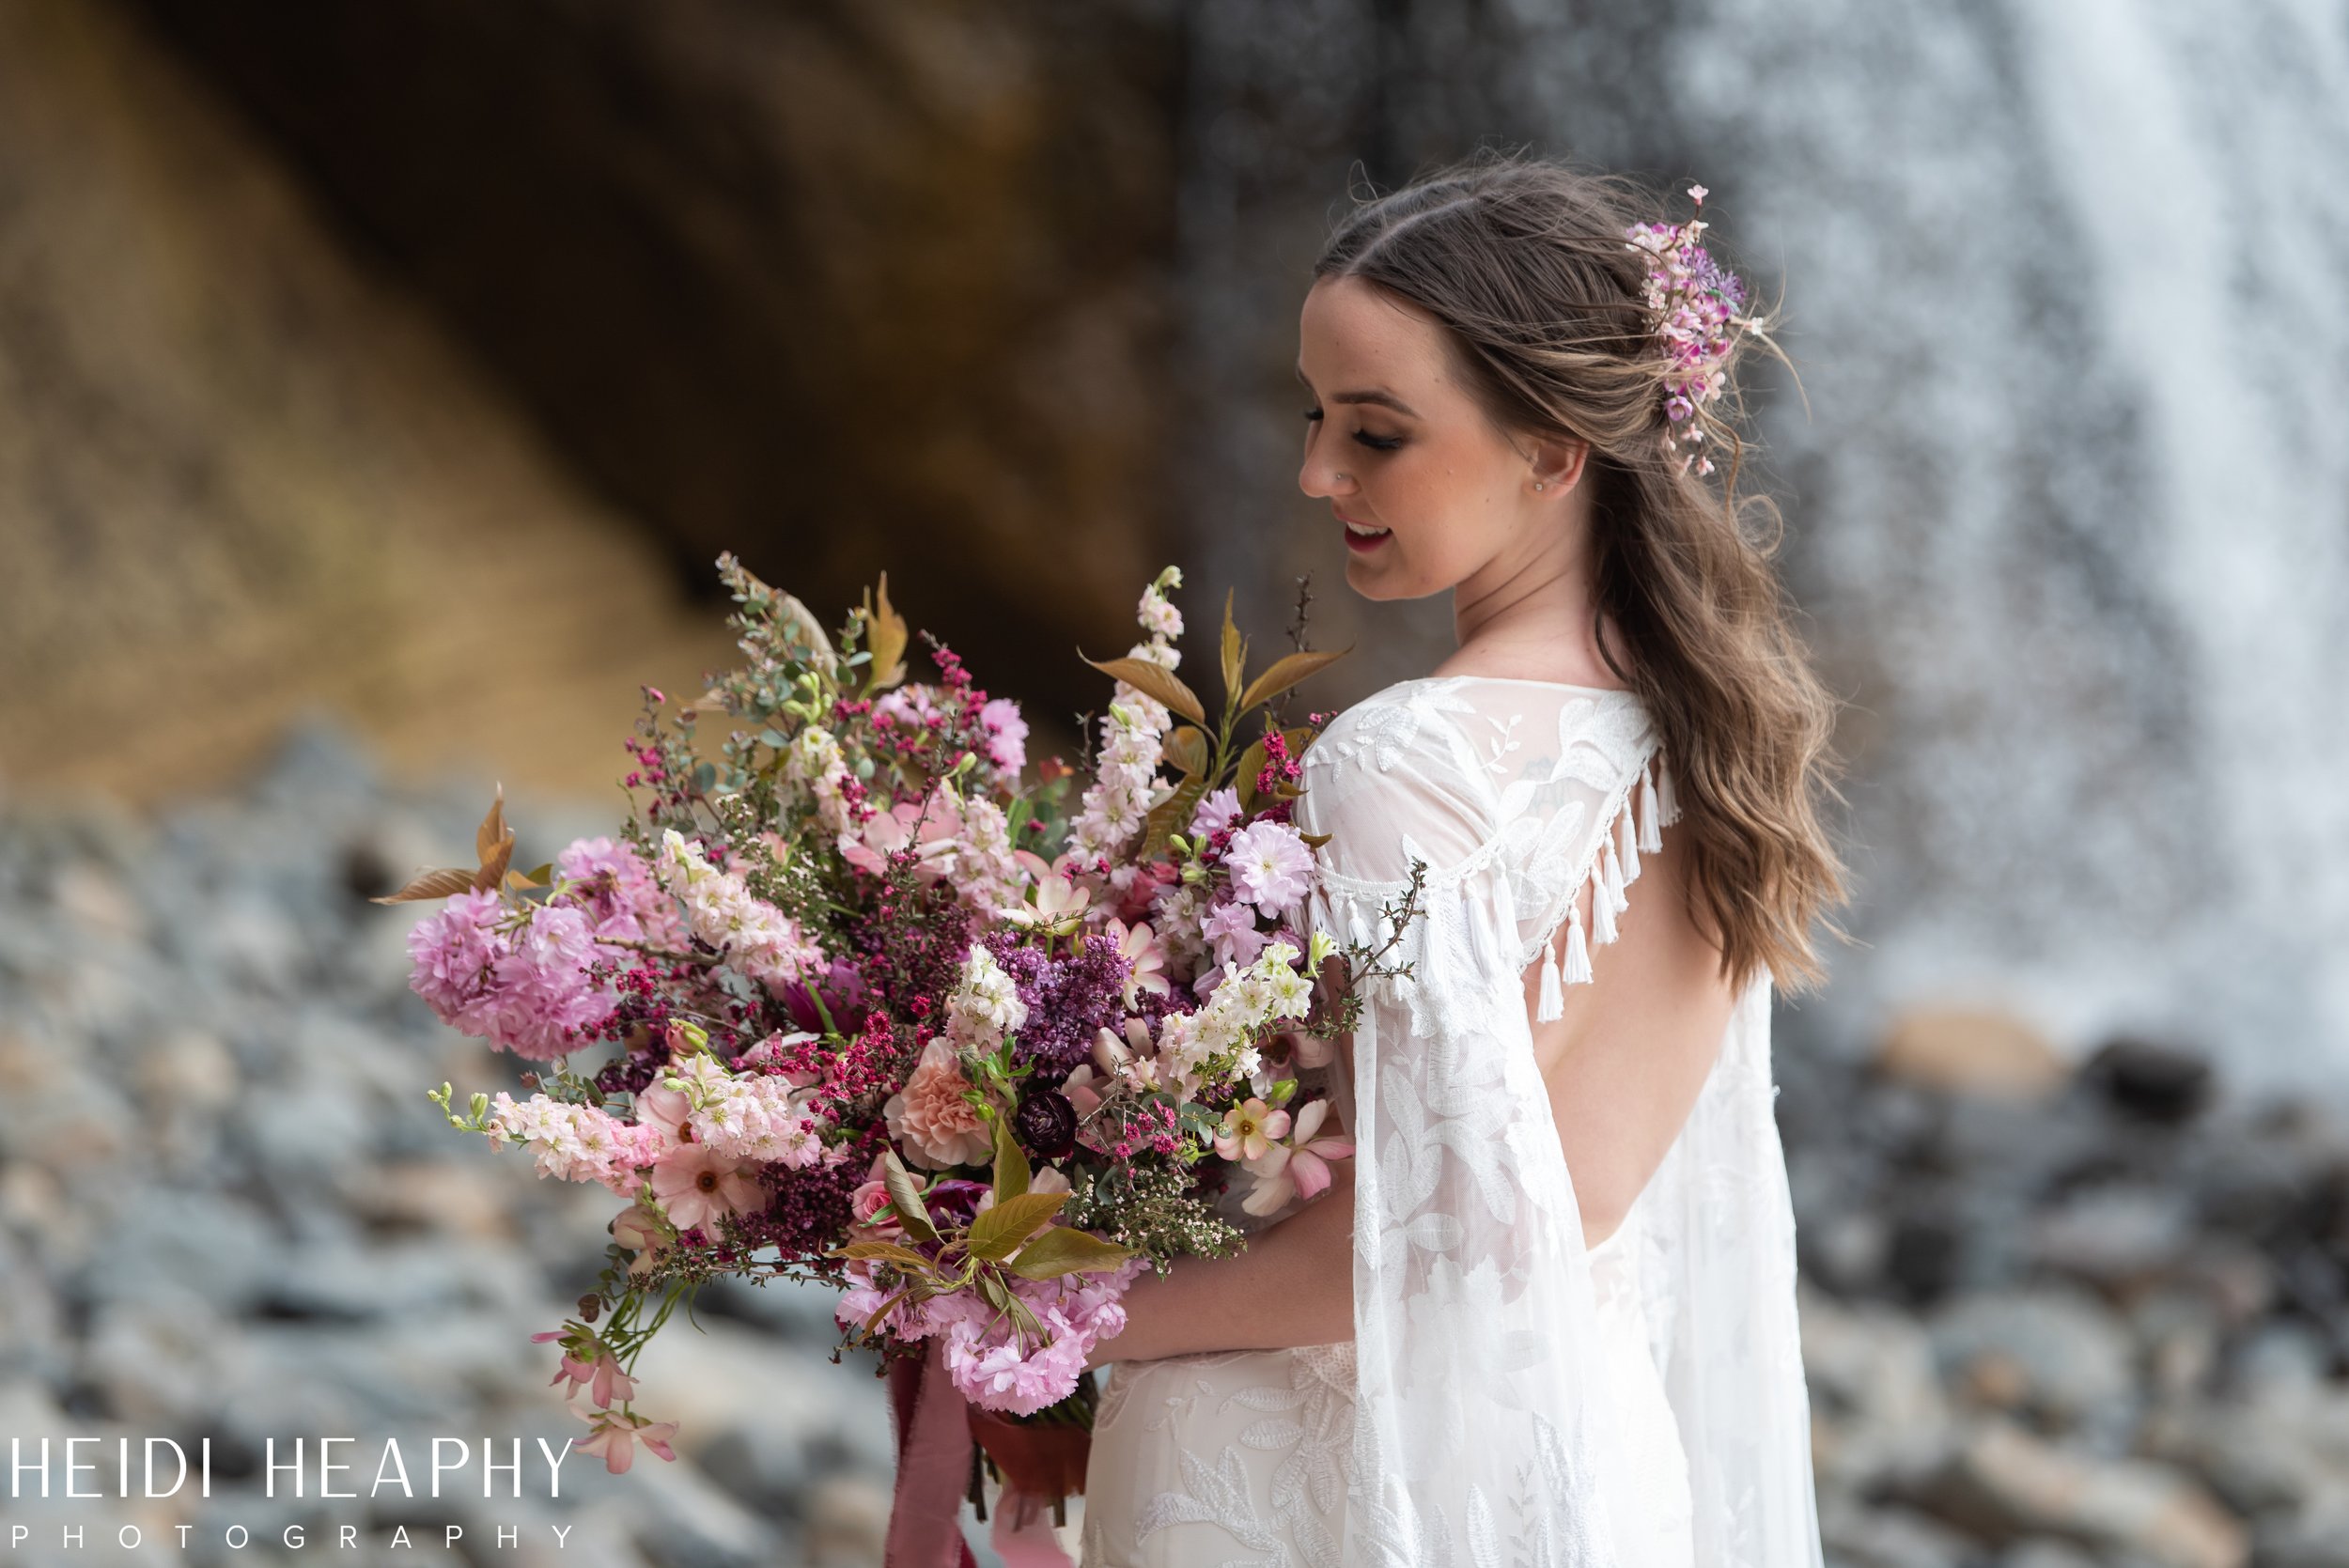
(907, 1199)
(1011, 1166)
(1235, 653)
(1289, 672)
(1153, 680)
(997, 1233)
(1063, 1250)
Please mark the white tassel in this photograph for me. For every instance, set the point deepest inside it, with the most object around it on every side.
(1577, 954)
(1651, 834)
(1553, 1002)
(1667, 809)
(1604, 898)
(1630, 845)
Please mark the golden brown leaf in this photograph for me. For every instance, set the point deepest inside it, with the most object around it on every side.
(1155, 681)
(1288, 672)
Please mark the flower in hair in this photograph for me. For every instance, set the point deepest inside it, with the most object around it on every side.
(1694, 303)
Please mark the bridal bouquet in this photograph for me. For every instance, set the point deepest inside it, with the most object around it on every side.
(887, 1008)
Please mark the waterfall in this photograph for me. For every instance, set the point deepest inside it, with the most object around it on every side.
(2069, 510)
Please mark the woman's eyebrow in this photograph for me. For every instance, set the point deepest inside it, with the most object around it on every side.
(1384, 400)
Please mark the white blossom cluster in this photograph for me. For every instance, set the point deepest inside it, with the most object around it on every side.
(1218, 1044)
(1126, 770)
(986, 1006)
(739, 1117)
(813, 762)
(760, 940)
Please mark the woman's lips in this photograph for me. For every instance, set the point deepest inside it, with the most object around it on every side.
(1362, 536)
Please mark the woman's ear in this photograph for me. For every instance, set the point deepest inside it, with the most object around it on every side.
(1559, 465)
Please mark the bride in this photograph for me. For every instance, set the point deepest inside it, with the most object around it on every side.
(1545, 1315)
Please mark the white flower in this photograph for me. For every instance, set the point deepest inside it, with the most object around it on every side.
(986, 1006)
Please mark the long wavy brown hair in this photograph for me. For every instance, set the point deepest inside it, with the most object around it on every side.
(1525, 263)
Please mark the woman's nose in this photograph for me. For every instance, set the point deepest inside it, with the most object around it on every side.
(1318, 478)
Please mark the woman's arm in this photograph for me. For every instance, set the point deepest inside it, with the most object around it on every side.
(1293, 1285)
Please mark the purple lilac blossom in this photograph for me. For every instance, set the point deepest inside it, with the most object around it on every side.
(1069, 999)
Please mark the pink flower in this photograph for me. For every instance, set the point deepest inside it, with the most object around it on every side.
(697, 1187)
(638, 1229)
(616, 1433)
(1270, 866)
(1007, 734)
(1231, 930)
(1139, 946)
(1215, 813)
(1298, 1168)
(931, 827)
(602, 1377)
(1248, 1129)
(931, 1121)
(616, 888)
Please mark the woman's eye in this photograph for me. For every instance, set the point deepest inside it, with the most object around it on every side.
(1377, 444)
(1312, 414)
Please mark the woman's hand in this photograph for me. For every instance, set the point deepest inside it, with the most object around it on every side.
(1293, 1286)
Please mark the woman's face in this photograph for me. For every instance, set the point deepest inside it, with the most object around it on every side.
(1430, 493)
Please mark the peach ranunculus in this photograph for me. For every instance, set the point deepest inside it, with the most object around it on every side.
(695, 1185)
(931, 1121)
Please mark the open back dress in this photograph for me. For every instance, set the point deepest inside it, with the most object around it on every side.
(1511, 1398)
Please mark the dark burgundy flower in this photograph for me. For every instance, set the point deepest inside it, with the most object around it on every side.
(1046, 1124)
(954, 1200)
(842, 988)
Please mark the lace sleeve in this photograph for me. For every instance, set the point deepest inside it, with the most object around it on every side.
(1483, 1414)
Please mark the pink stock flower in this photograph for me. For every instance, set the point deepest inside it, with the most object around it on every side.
(1007, 734)
(697, 1187)
(929, 1118)
(616, 1433)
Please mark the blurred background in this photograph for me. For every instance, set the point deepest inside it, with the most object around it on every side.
(378, 382)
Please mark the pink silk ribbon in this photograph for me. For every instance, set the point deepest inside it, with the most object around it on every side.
(933, 1427)
(1022, 1534)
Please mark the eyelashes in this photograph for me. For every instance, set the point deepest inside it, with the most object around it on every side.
(1377, 443)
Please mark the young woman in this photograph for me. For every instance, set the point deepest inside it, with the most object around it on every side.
(1547, 1312)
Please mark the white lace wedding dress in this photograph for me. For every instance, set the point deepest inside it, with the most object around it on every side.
(1511, 1396)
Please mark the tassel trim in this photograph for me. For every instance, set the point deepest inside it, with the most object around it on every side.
(1649, 808)
(1577, 953)
(1554, 998)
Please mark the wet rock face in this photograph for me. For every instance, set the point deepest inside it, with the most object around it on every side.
(836, 285)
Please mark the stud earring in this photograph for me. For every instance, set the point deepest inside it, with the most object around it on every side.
(1540, 484)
